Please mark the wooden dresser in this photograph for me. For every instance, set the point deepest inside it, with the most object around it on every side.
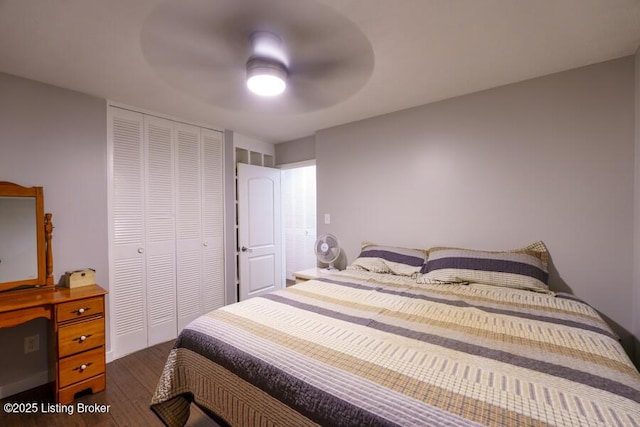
(76, 315)
(77, 333)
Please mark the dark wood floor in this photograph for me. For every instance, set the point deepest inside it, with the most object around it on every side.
(131, 381)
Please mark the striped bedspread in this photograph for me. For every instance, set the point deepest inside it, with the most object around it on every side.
(361, 348)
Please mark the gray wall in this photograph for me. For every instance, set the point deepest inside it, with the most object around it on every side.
(298, 150)
(547, 159)
(55, 138)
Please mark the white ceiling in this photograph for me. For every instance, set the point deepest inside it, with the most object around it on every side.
(423, 51)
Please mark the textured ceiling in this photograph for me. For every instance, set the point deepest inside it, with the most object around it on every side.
(397, 53)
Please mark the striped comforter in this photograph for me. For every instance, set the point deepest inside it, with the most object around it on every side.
(360, 348)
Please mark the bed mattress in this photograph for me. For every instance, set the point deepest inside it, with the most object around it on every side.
(359, 348)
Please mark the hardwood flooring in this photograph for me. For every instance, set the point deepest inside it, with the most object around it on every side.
(131, 381)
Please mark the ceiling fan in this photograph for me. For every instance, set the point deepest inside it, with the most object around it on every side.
(267, 66)
(212, 48)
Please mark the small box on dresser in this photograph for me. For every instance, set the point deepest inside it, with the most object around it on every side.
(78, 278)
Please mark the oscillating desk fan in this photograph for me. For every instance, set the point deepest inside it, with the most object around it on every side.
(327, 250)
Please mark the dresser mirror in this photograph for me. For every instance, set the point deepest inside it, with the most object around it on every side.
(25, 238)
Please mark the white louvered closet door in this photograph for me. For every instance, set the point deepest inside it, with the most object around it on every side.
(212, 221)
(127, 290)
(166, 227)
(189, 222)
(160, 230)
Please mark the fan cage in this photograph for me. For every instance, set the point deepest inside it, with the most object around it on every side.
(327, 249)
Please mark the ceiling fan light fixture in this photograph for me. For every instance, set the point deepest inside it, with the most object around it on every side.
(266, 77)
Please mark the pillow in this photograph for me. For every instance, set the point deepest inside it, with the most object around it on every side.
(389, 259)
(524, 268)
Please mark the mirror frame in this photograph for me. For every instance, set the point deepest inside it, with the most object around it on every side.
(9, 189)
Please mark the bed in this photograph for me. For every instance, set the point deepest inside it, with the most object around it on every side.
(365, 347)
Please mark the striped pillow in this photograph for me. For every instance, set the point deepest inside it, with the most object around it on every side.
(389, 259)
(524, 268)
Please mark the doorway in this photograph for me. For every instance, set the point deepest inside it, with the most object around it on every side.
(299, 217)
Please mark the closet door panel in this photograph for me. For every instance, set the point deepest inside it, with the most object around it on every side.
(166, 227)
(188, 222)
(212, 221)
(160, 230)
(189, 277)
(213, 279)
(127, 298)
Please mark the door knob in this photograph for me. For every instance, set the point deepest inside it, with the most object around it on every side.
(245, 249)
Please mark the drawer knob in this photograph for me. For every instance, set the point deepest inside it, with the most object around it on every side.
(81, 310)
(82, 367)
(82, 338)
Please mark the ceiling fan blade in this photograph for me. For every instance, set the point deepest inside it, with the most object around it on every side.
(202, 47)
(326, 83)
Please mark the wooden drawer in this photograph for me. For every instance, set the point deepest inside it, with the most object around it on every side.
(71, 368)
(80, 336)
(79, 309)
(96, 384)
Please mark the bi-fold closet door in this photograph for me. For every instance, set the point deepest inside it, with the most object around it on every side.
(166, 227)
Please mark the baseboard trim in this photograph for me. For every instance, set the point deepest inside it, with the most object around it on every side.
(27, 383)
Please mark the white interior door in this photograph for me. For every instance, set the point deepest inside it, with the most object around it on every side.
(259, 230)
